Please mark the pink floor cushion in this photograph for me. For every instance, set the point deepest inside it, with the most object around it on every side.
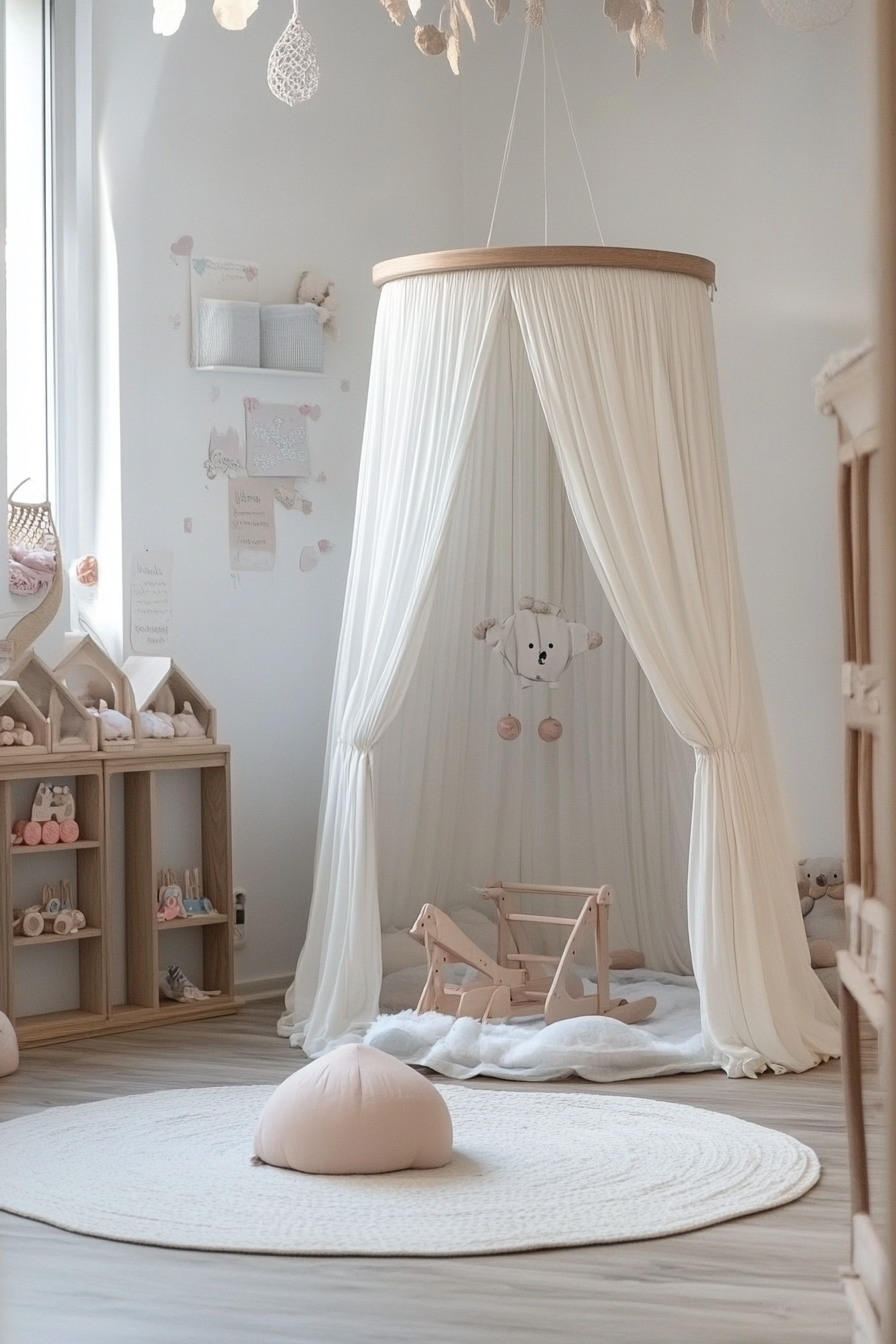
(9, 1047)
(355, 1111)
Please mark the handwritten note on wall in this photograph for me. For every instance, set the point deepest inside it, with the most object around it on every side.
(151, 573)
(253, 541)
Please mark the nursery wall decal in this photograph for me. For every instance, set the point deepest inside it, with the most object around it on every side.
(151, 601)
(253, 540)
(277, 439)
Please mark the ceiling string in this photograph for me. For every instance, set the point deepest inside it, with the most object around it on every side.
(544, 126)
(572, 128)
(509, 135)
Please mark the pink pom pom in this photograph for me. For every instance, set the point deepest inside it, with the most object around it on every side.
(550, 730)
(49, 832)
(69, 832)
(509, 728)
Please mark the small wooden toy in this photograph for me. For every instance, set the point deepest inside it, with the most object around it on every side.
(53, 802)
(56, 913)
(194, 901)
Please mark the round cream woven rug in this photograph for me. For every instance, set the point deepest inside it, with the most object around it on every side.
(531, 1169)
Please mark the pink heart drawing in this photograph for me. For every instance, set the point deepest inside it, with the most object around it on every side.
(183, 247)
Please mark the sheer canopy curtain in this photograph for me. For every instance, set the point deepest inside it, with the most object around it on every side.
(624, 363)
(431, 349)
(455, 805)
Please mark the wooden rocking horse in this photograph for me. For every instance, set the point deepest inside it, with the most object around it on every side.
(507, 987)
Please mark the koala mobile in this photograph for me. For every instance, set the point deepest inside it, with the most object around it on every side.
(537, 644)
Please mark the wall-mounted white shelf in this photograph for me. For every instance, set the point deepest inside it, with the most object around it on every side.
(238, 368)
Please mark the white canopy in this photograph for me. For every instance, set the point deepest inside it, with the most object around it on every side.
(477, 375)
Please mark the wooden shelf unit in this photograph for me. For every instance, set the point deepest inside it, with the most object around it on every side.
(91, 776)
(851, 395)
(143, 860)
(85, 776)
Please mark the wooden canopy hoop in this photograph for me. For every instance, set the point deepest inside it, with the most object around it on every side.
(493, 258)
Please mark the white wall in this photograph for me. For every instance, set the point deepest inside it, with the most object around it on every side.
(759, 160)
(191, 142)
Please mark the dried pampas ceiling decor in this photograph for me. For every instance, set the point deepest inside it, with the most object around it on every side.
(642, 20)
(293, 71)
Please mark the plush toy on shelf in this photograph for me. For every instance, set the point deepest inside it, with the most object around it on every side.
(171, 898)
(116, 727)
(175, 985)
(153, 724)
(186, 723)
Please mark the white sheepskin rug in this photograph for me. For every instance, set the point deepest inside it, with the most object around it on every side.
(599, 1049)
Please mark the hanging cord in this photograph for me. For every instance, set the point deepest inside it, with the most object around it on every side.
(544, 126)
(509, 135)
(575, 138)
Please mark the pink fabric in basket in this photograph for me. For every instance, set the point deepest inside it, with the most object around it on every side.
(355, 1111)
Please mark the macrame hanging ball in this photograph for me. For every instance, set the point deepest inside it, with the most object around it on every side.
(509, 728)
(804, 15)
(550, 730)
(293, 72)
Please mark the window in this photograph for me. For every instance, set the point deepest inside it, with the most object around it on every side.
(29, 293)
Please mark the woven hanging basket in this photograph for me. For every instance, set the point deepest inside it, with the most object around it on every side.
(32, 525)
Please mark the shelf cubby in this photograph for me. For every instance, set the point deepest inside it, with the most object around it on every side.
(87, 970)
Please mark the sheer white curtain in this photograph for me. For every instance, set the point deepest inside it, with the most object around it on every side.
(431, 350)
(624, 363)
(611, 801)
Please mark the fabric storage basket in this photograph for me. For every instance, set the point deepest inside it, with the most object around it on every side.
(228, 333)
(292, 337)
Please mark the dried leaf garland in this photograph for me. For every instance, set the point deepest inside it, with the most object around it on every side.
(431, 40)
(535, 13)
(234, 14)
(642, 20)
(396, 9)
(463, 8)
(500, 8)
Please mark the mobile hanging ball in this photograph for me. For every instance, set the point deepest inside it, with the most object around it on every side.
(293, 72)
(550, 730)
(509, 728)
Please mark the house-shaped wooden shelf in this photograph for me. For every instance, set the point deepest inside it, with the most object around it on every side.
(15, 705)
(159, 685)
(72, 729)
(90, 675)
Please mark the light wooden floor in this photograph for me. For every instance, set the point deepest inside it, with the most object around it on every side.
(768, 1279)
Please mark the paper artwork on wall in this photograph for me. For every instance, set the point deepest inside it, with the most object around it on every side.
(276, 440)
(287, 493)
(311, 554)
(151, 574)
(226, 456)
(218, 278)
(253, 541)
